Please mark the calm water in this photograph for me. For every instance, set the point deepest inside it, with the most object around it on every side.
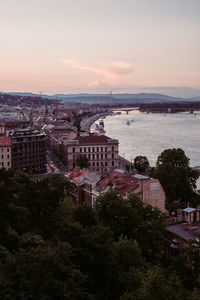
(150, 134)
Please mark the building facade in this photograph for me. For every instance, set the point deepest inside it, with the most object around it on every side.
(101, 151)
(28, 150)
(5, 153)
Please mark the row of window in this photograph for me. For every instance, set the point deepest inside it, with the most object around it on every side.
(3, 156)
(2, 150)
(3, 164)
(92, 149)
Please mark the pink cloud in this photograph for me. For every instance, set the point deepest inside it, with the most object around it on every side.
(110, 73)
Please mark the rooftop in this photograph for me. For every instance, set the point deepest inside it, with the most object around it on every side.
(5, 142)
(93, 138)
(185, 233)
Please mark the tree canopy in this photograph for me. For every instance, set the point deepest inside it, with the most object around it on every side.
(82, 161)
(141, 163)
(176, 176)
(52, 249)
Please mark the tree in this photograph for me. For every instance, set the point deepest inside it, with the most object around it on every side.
(176, 176)
(82, 161)
(141, 163)
(132, 219)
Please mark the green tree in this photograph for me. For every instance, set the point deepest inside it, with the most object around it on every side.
(43, 271)
(82, 161)
(141, 163)
(155, 286)
(132, 219)
(176, 176)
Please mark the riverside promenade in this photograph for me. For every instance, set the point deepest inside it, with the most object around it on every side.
(88, 121)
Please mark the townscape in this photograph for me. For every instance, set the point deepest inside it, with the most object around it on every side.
(48, 145)
(99, 150)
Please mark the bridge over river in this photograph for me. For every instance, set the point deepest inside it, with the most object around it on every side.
(126, 109)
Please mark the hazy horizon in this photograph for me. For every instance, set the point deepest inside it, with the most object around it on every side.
(95, 46)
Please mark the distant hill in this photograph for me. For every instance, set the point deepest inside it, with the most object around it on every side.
(106, 98)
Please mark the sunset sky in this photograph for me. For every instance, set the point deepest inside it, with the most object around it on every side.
(93, 46)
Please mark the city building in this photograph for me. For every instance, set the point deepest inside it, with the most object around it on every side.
(2, 130)
(148, 189)
(101, 151)
(86, 182)
(5, 153)
(28, 150)
(90, 186)
(184, 232)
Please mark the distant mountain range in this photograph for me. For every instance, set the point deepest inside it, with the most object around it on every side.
(106, 98)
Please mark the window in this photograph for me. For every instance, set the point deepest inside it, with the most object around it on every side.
(89, 156)
(105, 155)
(73, 149)
(97, 164)
(113, 163)
(8, 156)
(97, 149)
(101, 163)
(8, 149)
(101, 155)
(101, 149)
(2, 164)
(84, 149)
(93, 156)
(93, 164)
(88, 149)
(93, 149)
(112, 155)
(80, 149)
(2, 156)
(113, 148)
(8, 163)
(106, 163)
(105, 149)
(97, 156)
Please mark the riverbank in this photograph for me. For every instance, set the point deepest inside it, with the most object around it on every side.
(87, 122)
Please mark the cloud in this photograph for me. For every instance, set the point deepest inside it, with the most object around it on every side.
(110, 73)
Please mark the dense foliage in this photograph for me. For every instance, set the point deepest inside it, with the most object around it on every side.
(51, 249)
(177, 177)
(141, 163)
(82, 161)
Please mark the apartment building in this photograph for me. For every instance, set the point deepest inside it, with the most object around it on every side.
(101, 151)
(5, 153)
(28, 150)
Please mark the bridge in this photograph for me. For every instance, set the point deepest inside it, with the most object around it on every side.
(127, 110)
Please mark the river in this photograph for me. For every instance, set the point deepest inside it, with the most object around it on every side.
(150, 134)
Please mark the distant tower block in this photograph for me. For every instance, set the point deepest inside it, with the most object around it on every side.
(46, 113)
(56, 108)
(31, 117)
(2, 130)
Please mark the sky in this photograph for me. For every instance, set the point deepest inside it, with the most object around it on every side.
(94, 46)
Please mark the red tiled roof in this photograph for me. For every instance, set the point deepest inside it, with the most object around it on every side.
(130, 187)
(114, 176)
(92, 138)
(5, 142)
(77, 179)
(123, 183)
